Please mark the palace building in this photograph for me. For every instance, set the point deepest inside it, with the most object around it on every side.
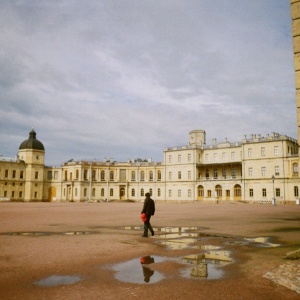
(255, 169)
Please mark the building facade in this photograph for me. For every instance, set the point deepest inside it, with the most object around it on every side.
(255, 169)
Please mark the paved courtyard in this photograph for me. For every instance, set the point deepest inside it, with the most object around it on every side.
(199, 251)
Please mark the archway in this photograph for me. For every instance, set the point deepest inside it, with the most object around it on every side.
(237, 192)
(200, 192)
(51, 194)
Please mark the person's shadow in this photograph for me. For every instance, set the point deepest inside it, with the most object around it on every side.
(145, 261)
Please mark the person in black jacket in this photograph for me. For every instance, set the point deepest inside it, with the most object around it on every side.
(148, 210)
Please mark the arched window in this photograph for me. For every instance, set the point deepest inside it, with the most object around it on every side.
(151, 175)
(158, 175)
(76, 192)
(142, 175)
(66, 175)
(218, 191)
(84, 192)
(133, 176)
(102, 192)
(296, 191)
(158, 192)
(111, 192)
(77, 174)
(150, 191)
(111, 176)
(102, 175)
(295, 168)
(142, 192)
(133, 192)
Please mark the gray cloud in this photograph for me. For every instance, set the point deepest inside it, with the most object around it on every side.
(125, 79)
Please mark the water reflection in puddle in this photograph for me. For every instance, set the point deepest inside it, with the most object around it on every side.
(207, 265)
(139, 270)
(55, 280)
(47, 233)
(262, 242)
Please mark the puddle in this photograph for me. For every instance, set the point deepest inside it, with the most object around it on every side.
(55, 280)
(139, 270)
(262, 242)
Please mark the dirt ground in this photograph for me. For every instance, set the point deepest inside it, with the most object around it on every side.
(38, 240)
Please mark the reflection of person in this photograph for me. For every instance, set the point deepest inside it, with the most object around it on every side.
(148, 210)
(146, 260)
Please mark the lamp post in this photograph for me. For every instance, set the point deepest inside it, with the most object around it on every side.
(273, 200)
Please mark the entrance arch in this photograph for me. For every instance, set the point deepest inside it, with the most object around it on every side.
(51, 194)
(122, 193)
(237, 192)
(200, 192)
(218, 191)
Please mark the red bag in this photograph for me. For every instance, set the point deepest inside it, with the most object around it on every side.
(143, 217)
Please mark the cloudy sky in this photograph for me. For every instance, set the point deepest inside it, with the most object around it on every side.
(124, 79)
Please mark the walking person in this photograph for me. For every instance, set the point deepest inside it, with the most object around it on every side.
(148, 210)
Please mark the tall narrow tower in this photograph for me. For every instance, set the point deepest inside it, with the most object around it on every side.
(295, 12)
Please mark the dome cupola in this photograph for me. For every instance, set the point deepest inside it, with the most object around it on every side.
(32, 142)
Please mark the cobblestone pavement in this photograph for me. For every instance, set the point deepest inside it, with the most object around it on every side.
(287, 275)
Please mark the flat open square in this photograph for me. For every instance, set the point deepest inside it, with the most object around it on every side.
(85, 244)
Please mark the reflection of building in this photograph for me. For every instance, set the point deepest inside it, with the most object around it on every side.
(201, 261)
(218, 172)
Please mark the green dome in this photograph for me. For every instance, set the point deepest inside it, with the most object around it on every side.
(32, 142)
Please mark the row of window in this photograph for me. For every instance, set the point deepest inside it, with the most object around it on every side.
(17, 194)
(277, 170)
(21, 174)
(103, 177)
(13, 174)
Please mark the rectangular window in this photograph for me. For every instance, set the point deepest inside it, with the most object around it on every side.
(215, 173)
(224, 156)
(179, 174)
(179, 193)
(263, 171)
(208, 193)
(233, 172)
(264, 192)
(249, 152)
(232, 155)
(170, 158)
(251, 193)
(215, 156)
(206, 157)
(55, 174)
(277, 192)
(123, 175)
(277, 172)
(170, 175)
(224, 173)
(189, 175)
(13, 194)
(14, 174)
(276, 150)
(189, 193)
(21, 174)
(189, 157)
(20, 194)
(170, 193)
(49, 175)
(35, 195)
(93, 192)
(6, 173)
(263, 151)
(36, 175)
(250, 172)
(179, 158)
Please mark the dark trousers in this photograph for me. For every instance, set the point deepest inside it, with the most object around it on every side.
(147, 226)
